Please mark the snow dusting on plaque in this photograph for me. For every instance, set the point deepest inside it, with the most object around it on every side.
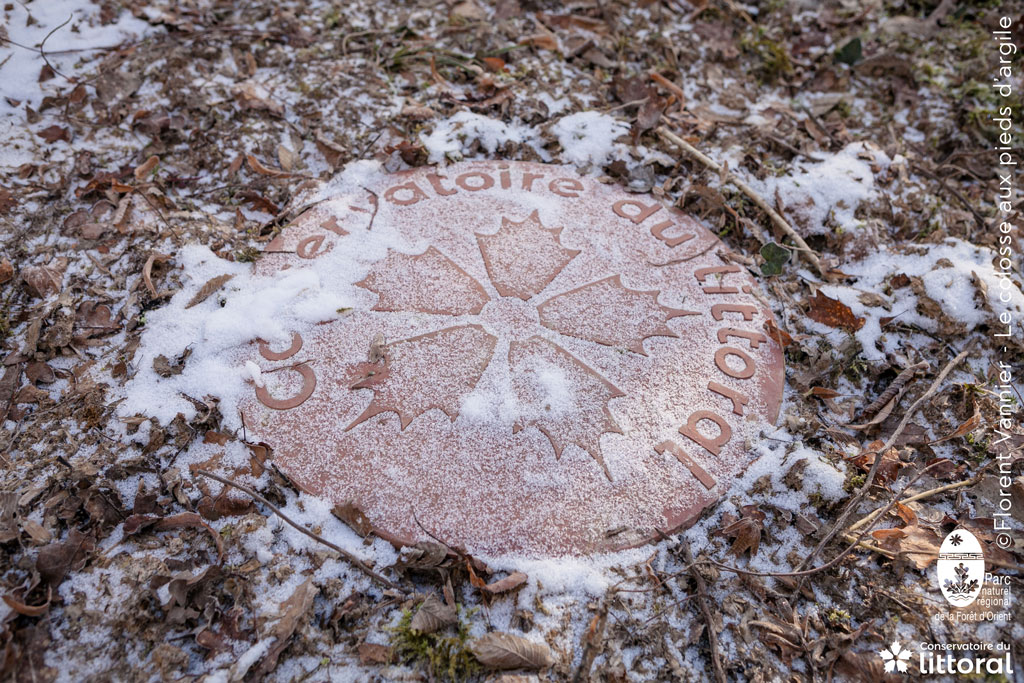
(531, 362)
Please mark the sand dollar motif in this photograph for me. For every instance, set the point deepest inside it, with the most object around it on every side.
(543, 365)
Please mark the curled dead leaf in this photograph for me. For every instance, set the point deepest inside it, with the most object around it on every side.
(509, 583)
(145, 168)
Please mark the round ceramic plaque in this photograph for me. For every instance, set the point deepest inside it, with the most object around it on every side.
(534, 363)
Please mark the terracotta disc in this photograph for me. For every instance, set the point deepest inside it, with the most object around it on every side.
(535, 363)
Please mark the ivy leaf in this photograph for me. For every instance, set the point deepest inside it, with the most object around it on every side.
(851, 53)
(775, 257)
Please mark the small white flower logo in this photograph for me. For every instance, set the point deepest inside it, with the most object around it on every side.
(895, 658)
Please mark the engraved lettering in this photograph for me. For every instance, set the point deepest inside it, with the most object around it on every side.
(748, 363)
(332, 225)
(755, 338)
(659, 232)
(642, 214)
(738, 399)
(309, 247)
(713, 445)
(702, 273)
(696, 470)
(486, 181)
(719, 310)
(506, 177)
(281, 355)
(528, 179)
(308, 386)
(566, 187)
(412, 191)
(441, 190)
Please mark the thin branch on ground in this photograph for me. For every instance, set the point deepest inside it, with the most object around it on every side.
(728, 177)
(352, 559)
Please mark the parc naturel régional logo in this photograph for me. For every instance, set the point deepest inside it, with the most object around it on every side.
(961, 568)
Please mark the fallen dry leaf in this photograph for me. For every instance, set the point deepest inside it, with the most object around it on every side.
(145, 168)
(509, 583)
(969, 425)
(57, 559)
(137, 523)
(918, 544)
(258, 166)
(292, 610)
(433, 615)
(54, 133)
(746, 530)
(42, 281)
(354, 517)
(372, 653)
(506, 651)
(833, 313)
(211, 286)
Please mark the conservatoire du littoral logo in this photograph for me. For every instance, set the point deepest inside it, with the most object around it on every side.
(961, 568)
(895, 658)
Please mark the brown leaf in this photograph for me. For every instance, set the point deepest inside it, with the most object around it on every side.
(256, 165)
(746, 530)
(918, 544)
(332, 151)
(42, 281)
(57, 559)
(433, 615)
(509, 583)
(353, 516)
(211, 286)
(889, 467)
(29, 610)
(147, 271)
(833, 313)
(38, 372)
(6, 203)
(544, 41)
(372, 653)
(54, 133)
(967, 427)
(292, 610)
(778, 334)
(423, 555)
(144, 169)
(506, 651)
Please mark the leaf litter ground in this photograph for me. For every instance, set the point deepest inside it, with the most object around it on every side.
(149, 127)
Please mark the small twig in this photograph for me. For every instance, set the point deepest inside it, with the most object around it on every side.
(920, 496)
(702, 600)
(728, 177)
(355, 561)
(43, 54)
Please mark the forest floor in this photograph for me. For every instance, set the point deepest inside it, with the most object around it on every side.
(136, 128)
